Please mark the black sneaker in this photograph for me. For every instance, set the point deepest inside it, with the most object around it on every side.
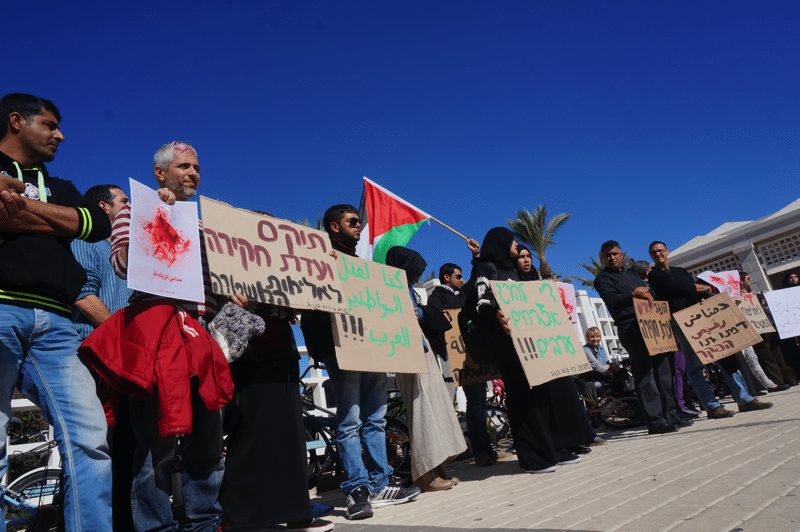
(566, 457)
(358, 506)
(394, 495)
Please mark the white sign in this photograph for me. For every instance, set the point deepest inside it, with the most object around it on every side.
(724, 282)
(164, 247)
(785, 307)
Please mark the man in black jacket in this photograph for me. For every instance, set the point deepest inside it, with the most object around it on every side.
(619, 287)
(39, 280)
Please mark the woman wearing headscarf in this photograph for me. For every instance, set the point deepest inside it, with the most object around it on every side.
(566, 417)
(532, 442)
(435, 432)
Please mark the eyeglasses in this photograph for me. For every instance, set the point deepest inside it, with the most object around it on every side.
(658, 251)
(352, 222)
(458, 276)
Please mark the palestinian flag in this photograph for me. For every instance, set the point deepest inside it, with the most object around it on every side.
(387, 221)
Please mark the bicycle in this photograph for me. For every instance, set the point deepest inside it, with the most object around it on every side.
(33, 500)
(616, 407)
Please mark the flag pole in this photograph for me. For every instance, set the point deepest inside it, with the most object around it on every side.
(450, 228)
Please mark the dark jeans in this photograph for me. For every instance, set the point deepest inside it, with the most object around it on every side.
(476, 418)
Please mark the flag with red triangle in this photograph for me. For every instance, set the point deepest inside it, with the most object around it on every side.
(387, 220)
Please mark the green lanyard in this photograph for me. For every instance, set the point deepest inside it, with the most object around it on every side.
(42, 189)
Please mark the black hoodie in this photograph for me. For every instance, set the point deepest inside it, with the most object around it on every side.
(39, 271)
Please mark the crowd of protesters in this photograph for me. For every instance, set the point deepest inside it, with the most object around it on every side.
(140, 388)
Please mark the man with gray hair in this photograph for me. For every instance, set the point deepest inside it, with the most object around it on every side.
(196, 426)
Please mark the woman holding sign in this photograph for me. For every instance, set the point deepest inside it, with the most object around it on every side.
(426, 397)
(532, 442)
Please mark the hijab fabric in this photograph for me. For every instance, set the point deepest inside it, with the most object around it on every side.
(531, 275)
(496, 248)
(408, 260)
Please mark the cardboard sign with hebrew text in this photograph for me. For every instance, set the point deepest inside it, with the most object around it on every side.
(269, 260)
(754, 312)
(541, 331)
(716, 328)
(656, 326)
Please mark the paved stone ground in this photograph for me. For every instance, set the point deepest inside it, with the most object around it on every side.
(740, 474)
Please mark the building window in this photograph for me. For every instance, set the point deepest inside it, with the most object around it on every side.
(722, 264)
(779, 251)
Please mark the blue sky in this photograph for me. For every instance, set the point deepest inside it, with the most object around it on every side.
(646, 120)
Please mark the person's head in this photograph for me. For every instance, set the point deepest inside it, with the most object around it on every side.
(593, 336)
(611, 255)
(790, 279)
(450, 275)
(744, 281)
(343, 220)
(30, 132)
(641, 268)
(176, 168)
(111, 198)
(498, 246)
(408, 260)
(524, 260)
(659, 253)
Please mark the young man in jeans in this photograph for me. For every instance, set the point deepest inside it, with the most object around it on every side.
(360, 396)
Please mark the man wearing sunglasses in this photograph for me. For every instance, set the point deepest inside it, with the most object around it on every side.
(360, 396)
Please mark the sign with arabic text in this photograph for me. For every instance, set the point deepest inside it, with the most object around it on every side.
(656, 326)
(716, 328)
(380, 332)
(785, 308)
(541, 331)
(752, 309)
(269, 260)
(465, 370)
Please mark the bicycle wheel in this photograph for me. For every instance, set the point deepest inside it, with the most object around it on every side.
(39, 488)
(498, 426)
(621, 413)
(398, 447)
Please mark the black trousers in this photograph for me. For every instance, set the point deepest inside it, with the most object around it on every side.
(652, 377)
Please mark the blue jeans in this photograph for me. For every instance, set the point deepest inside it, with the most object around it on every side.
(38, 355)
(476, 418)
(694, 370)
(360, 399)
(201, 474)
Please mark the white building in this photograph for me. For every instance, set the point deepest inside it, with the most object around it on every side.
(765, 248)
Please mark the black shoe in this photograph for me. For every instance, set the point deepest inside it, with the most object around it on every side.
(566, 457)
(684, 422)
(663, 429)
(358, 506)
(759, 393)
(580, 449)
(778, 388)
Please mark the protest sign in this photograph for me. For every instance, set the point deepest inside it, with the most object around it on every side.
(465, 370)
(752, 309)
(269, 260)
(164, 247)
(656, 326)
(567, 292)
(724, 282)
(785, 308)
(381, 332)
(716, 328)
(541, 332)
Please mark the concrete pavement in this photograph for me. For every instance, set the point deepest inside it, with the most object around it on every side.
(740, 474)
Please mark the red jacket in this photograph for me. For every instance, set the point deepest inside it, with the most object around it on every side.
(153, 349)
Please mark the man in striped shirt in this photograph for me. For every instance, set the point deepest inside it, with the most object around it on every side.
(177, 172)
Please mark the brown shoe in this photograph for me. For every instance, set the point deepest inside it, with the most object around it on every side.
(755, 404)
(430, 482)
(720, 412)
(441, 473)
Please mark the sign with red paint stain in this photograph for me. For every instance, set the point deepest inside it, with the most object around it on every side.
(567, 292)
(164, 249)
(724, 282)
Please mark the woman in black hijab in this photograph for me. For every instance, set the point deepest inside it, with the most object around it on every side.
(532, 442)
(566, 416)
(789, 347)
(435, 432)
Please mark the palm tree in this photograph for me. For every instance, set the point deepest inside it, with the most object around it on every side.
(305, 221)
(535, 231)
(422, 280)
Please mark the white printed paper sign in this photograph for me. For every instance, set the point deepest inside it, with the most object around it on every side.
(164, 247)
(724, 282)
(785, 307)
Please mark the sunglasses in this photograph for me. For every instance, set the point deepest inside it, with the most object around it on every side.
(352, 222)
(458, 276)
